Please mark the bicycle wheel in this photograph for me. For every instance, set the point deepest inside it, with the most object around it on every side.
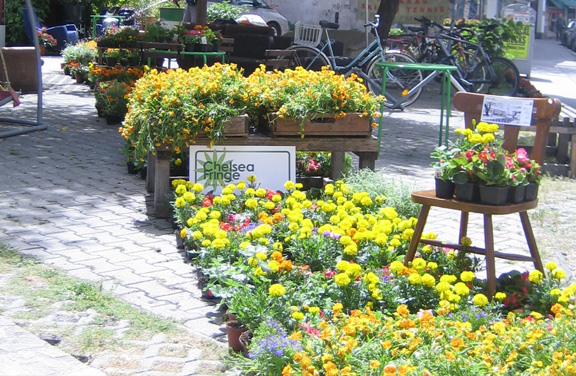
(501, 77)
(398, 81)
(308, 57)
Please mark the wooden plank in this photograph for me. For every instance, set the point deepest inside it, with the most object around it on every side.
(325, 125)
(563, 143)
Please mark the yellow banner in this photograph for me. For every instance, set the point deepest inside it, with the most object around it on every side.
(519, 49)
(436, 10)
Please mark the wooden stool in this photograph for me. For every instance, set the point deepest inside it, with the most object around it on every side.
(544, 111)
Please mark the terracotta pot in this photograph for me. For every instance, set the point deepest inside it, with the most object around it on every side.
(42, 50)
(245, 339)
(234, 329)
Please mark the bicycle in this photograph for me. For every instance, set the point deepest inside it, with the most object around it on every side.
(477, 71)
(313, 53)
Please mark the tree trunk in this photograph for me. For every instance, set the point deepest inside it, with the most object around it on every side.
(387, 11)
(202, 7)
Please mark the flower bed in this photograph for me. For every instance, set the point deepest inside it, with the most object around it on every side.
(321, 285)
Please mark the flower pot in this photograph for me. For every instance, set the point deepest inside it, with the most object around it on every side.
(531, 192)
(245, 339)
(80, 79)
(203, 47)
(143, 172)
(493, 195)
(234, 329)
(112, 119)
(42, 50)
(516, 194)
(444, 188)
(111, 61)
(190, 47)
(132, 170)
(467, 192)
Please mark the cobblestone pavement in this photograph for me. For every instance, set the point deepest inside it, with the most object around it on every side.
(65, 197)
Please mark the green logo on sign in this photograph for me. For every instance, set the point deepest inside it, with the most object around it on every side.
(216, 171)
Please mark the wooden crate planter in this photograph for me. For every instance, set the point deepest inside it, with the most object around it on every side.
(236, 127)
(351, 125)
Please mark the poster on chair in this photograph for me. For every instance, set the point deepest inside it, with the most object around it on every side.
(507, 111)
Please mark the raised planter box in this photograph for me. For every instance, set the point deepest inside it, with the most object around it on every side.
(236, 127)
(351, 125)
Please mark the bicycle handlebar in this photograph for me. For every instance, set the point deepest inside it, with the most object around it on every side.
(375, 23)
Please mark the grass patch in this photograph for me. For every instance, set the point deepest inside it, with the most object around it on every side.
(397, 192)
(46, 290)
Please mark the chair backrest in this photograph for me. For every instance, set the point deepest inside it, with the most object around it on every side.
(545, 110)
(30, 30)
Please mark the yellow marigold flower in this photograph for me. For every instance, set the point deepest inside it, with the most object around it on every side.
(342, 265)
(428, 280)
(251, 178)
(180, 202)
(559, 274)
(298, 316)
(336, 308)
(351, 249)
(461, 289)
(342, 279)
(551, 265)
(432, 265)
(180, 189)
(314, 310)
(419, 263)
(183, 233)
(466, 241)
(467, 276)
(276, 290)
(488, 138)
(414, 279)
(442, 286)
(274, 266)
(396, 267)
(197, 187)
(535, 276)
(241, 185)
(402, 310)
(480, 300)
(555, 292)
(189, 196)
(500, 296)
(536, 315)
(475, 138)
(289, 185)
(449, 278)
(206, 242)
(261, 255)
(251, 203)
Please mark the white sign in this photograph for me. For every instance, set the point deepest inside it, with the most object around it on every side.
(507, 111)
(219, 166)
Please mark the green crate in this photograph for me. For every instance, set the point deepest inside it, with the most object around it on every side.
(172, 14)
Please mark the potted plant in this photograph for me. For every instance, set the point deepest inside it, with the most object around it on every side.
(327, 104)
(111, 98)
(494, 174)
(112, 56)
(45, 40)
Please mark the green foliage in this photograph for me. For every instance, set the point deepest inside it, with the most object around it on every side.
(493, 40)
(13, 19)
(397, 192)
(224, 11)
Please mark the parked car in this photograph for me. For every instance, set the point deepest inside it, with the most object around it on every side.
(571, 35)
(567, 33)
(258, 7)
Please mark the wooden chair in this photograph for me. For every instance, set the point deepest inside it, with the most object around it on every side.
(544, 111)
